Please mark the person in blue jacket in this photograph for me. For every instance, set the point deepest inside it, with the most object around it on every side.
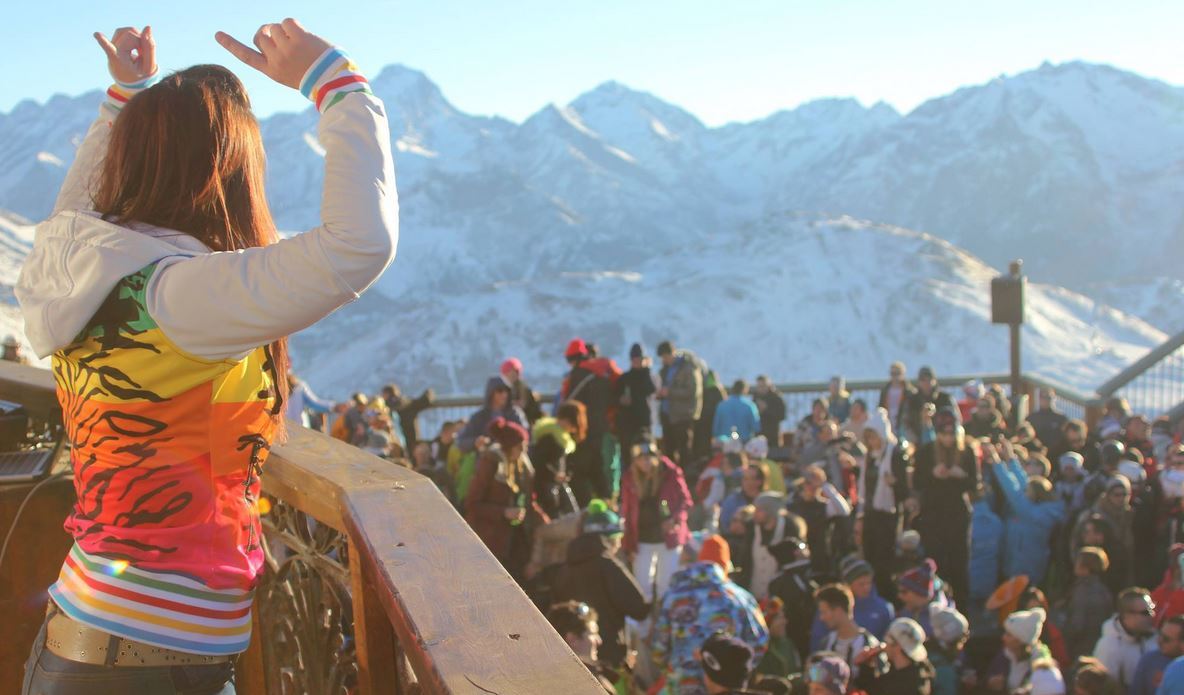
(872, 612)
(1173, 678)
(738, 413)
(1031, 513)
(986, 540)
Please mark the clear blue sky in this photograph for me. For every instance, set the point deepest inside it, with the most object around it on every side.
(722, 61)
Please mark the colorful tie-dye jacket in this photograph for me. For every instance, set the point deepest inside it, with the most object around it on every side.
(166, 384)
(701, 601)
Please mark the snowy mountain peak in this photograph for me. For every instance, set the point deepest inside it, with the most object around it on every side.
(411, 91)
(624, 115)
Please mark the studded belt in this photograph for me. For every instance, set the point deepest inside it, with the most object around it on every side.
(72, 640)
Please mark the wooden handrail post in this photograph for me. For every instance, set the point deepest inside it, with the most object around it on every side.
(374, 638)
(250, 675)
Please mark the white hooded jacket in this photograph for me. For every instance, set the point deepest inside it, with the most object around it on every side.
(219, 306)
(882, 498)
(1120, 651)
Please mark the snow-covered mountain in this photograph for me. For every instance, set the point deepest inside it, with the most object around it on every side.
(797, 296)
(620, 211)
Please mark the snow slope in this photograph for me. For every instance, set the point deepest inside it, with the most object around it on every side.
(797, 296)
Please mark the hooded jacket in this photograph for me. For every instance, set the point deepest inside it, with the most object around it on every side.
(771, 406)
(986, 543)
(479, 422)
(1120, 651)
(701, 601)
(167, 385)
(594, 575)
(672, 490)
(1090, 604)
(1028, 525)
(874, 491)
(499, 483)
(736, 413)
(683, 381)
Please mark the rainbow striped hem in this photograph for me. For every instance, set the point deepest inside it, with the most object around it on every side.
(120, 93)
(161, 609)
(330, 78)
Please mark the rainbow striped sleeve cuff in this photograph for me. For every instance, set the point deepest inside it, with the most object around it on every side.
(119, 93)
(330, 78)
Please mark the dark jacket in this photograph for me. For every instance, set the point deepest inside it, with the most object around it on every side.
(524, 397)
(595, 392)
(991, 426)
(1091, 452)
(409, 410)
(795, 588)
(713, 396)
(479, 421)
(549, 457)
(593, 575)
(1090, 605)
(772, 409)
(912, 419)
(943, 498)
(1048, 424)
(915, 679)
(590, 477)
(635, 386)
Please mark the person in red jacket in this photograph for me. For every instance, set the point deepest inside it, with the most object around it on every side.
(654, 505)
(1169, 595)
(501, 496)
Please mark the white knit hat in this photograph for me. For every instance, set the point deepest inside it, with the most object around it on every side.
(757, 447)
(1025, 626)
(949, 626)
(1071, 459)
(1047, 681)
(1132, 472)
(771, 503)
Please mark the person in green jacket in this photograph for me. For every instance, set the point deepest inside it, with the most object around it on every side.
(782, 658)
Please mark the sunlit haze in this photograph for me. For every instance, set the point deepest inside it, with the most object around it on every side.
(722, 62)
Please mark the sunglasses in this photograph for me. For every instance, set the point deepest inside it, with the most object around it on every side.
(648, 450)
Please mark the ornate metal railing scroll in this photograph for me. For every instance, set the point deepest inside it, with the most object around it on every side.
(304, 608)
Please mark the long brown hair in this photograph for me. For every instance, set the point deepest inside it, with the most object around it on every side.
(186, 154)
(577, 414)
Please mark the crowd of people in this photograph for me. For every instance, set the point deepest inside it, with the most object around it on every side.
(927, 542)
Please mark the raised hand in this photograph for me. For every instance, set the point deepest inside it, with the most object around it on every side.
(131, 53)
(286, 51)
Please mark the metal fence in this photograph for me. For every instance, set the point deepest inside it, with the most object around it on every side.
(799, 398)
(1155, 384)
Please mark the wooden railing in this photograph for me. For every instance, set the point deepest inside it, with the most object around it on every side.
(374, 584)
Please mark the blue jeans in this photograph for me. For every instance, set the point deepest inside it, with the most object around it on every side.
(47, 673)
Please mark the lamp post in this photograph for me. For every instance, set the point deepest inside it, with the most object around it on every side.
(1007, 306)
